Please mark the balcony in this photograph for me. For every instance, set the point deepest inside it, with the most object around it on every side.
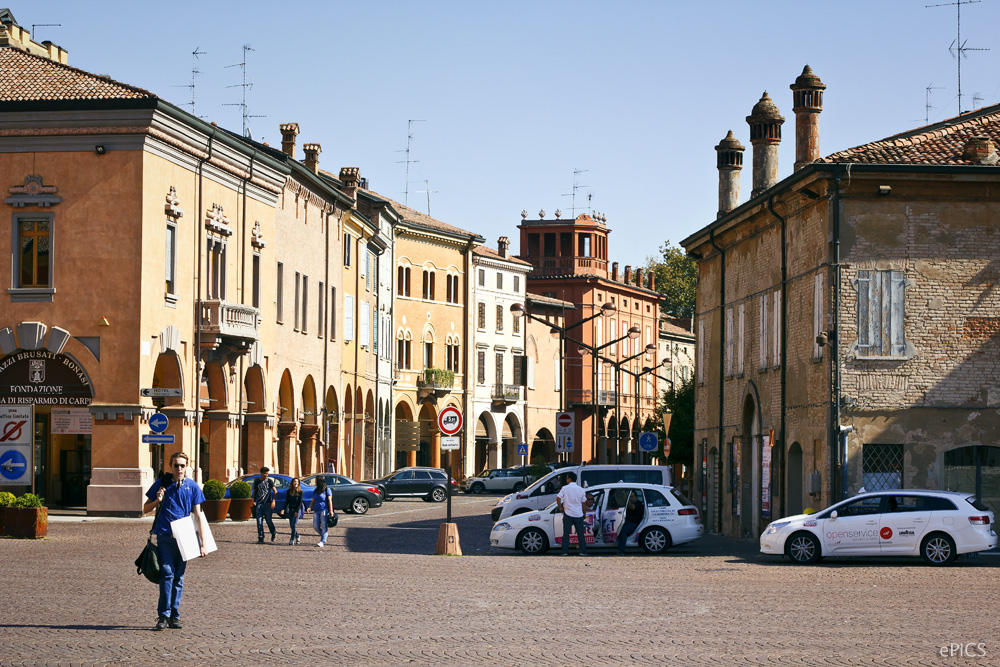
(435, 381)
(585, 397)
(506, 394)
(231, 325)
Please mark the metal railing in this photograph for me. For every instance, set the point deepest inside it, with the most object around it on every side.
(507, 393)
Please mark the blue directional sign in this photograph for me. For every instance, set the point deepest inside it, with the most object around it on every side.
(648, 442)
(158, 439)
(522, 450)
(13, 465)
(158, 422)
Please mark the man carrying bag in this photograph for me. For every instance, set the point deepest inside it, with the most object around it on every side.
(263, 501)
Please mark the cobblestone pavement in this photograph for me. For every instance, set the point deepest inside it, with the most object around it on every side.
(377, 596)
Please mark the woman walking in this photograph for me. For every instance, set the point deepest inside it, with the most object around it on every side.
(320, 505)
(294, 509)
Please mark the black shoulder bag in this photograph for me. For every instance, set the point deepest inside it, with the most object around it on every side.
(331, 515)
(148, 562)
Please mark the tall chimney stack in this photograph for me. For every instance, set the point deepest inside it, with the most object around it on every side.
(807, 95)
(351, 178)
(312, 152)
(729, 159)
(765, 135)
(638, 277)
(614, 270)
(288, 133)
(502, 244)
(628, 273)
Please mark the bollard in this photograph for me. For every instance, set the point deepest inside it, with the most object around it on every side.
(448, 544)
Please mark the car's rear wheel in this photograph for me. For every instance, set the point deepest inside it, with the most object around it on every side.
(938, 549)
(532, 541)
(359, 505)
(518, 487)
(438, 495)
(803, 548)
(478, 487)
(655, 540)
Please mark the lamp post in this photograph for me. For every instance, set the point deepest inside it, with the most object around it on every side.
(649, 349)
(606, 310)
(633, 333)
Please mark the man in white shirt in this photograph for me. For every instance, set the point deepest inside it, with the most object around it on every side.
(572, 502)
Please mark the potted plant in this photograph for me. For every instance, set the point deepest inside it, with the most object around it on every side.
(240, 502)
(27, 517)
(6, 500)
(216, 505)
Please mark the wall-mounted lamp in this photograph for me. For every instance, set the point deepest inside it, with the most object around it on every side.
(823, 338)
(99, 149)
(884, 190)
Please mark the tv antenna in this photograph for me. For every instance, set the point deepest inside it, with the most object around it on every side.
(958, 48)
(42, 25)
(576, 186)
(927, 101)
(245, 86)
(976, 100)
(428, 191)
(409, 139)
(194, 72)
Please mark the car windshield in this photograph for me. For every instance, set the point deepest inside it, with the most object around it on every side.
(485, 473)
(538, 482)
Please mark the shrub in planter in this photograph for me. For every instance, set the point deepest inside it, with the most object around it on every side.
(240, 502)
(27, 517)
(216, 505)
(6, 500)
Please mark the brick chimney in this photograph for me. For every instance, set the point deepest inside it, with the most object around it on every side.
(351, 178)
(807, 93)
(729, 160)
(312, 152)
(980, 150)
(502, 244)
(638, 276)
(628, 273)
(288, 133)
(614, 270)
(652, 280)
(765, 134)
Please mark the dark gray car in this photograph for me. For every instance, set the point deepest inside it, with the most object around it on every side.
(431, 484)
(348, 495)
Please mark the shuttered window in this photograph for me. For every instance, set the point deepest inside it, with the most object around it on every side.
(881, 314)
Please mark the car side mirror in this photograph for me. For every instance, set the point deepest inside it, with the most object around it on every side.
(833, 515)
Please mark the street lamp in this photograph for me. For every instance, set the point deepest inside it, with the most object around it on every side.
(649, 349)
(633, 333)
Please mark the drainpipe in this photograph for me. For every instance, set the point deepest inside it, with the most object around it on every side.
(326, 341)
(241, 258)
(784, 350)
(197, 314)
(839, 441)
(722, 354)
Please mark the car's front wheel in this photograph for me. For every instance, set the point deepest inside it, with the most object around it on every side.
(438, 495)
(655, 540)
(803, 548)
(359, 505)
(478, 487)
(532, 541)
(938, 549)
(519, 487)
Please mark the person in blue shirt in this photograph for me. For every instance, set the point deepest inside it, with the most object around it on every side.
(177, 497)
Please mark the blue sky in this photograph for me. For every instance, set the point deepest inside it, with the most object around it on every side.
(514, 96)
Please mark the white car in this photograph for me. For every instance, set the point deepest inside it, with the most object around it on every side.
(498, 479)
(937, 525)
(669, 518)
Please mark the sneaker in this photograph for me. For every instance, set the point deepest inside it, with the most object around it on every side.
(260, 540)
(291, 541)
(563, 554)
(175, 623)
(321, 544)
(273, 535)
(298, 539)
(161, 623)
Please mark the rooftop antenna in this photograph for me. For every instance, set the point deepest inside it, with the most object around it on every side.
(245, 86)
(428, 191)
(194, 72)
(42, 25)
(958, 47)
(409, 138)
(976, 100)
(577, 172)
(927, 101)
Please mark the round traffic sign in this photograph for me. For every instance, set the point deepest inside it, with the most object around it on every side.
(13, 465)
(158, 422)
(564, 420)
(648, 442)
(450, 420)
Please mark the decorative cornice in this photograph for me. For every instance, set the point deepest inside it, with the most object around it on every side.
(32, 193)
(216, 221)
(172, 207)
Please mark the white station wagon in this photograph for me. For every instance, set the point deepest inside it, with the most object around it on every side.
(669, 518)
(937, 525)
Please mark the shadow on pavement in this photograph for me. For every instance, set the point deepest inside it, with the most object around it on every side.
(418, 537)
(75, 627)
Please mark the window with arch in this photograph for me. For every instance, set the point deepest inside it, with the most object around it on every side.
(451, 354)
(403, 348)
(428, 287)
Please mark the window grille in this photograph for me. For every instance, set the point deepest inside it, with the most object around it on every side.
(881, 466)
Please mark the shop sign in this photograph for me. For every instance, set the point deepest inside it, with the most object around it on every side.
(40, 377)
(72, 421)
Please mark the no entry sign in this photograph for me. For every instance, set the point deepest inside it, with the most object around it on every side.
(450, 420)
(564, 423)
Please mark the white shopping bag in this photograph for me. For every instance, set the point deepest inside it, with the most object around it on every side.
(186, 532)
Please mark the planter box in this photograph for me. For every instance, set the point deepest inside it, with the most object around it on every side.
(31, 523)
(239, 508)
(215, 510)
(3, 514)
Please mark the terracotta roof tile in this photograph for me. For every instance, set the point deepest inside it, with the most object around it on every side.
(417, 218)
(938, 144)
(493, 254)
(25, 77)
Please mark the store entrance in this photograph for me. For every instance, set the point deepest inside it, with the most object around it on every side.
(62, 455)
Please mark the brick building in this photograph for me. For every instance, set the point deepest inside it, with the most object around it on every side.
(847, 318)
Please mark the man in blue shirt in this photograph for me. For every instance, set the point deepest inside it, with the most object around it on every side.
(176, 496)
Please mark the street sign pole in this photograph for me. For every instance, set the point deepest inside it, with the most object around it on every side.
(450, 423)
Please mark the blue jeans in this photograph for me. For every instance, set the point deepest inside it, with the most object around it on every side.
(172, 568)
(569, 522)
(264, 514)
(628, 527)
(293, 520)
(319, 524)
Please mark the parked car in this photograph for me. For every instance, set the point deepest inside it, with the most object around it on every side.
(498, 479)
(281, 484)
(431, 484)
(543, 491)
(937, 525)
(669, 518)
(348, 495)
